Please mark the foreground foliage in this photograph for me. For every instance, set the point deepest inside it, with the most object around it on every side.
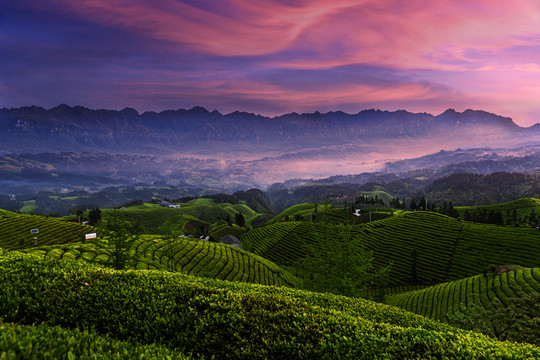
(53, 342)
(227, 320)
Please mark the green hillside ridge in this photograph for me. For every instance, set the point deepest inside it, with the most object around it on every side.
(335, 215)
(226, 229)
(447, 299)
(425, 247)
(301, 209)
(522, 207)
(207, 317)
(188, 256)
(200, 211)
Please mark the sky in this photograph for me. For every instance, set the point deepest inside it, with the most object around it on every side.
(273, 57)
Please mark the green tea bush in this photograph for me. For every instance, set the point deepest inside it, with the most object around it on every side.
(53, 342)
(225, 320)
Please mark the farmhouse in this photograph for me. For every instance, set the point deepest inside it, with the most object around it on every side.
(165, 203)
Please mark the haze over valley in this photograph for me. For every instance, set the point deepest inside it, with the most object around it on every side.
(242, 150)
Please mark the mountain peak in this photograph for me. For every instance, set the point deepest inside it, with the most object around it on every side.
(129, 112)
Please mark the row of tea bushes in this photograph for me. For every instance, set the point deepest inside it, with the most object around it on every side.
(225, 320)
(38, 342)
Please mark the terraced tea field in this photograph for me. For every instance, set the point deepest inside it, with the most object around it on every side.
(425, 247)
(446, 299)
(15, 231)
(159, 311)
(188, 256)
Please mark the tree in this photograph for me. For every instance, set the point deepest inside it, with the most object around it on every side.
(239, 219)
(413, 206)
(533, 220)
(422, 205)
(341, 266)
(94, 216)
(79, 215)
(171, 232)
(119, 239)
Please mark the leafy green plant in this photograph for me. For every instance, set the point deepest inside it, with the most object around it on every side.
(212, 318)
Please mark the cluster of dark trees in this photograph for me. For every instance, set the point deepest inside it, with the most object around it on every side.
(238, 219)
(397, 204)
(484, 216)
(497, 218)
(422, 205)
(369, 201)
(448, 210)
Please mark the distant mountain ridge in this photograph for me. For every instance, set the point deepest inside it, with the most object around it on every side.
(78, 129)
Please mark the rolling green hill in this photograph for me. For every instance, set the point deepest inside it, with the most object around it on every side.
(447, 299)
(213, 318)
(520, 209)
(188, 256)
(425, 247)
(199, 211)
(335, 215)
(226, 229)
(300, 209)
(15, 231)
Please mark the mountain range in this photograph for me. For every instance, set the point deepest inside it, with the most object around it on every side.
(79, 147)
(198, 131)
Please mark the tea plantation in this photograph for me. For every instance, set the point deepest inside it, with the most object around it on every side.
(424, 247)
(188, 298)
(447, 299)
(189, 256)
(15, 231)
(161, 314)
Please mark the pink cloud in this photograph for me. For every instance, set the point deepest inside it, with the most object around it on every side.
(451, 53)
(249, 27)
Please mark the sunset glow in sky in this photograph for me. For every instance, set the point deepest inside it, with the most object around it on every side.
(273, 57)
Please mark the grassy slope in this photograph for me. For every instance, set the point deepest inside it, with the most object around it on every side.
(227, 320)
(446, 249)
(447, 298)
